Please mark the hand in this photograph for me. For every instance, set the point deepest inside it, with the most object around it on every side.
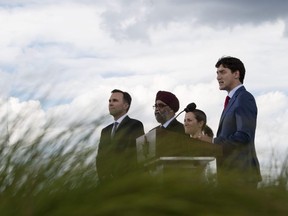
(205, 138)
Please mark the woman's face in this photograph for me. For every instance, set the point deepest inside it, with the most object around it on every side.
(191, 125)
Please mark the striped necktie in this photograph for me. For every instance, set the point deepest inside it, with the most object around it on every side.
(114, 129)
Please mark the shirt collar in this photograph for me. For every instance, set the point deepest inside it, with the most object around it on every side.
(121, 119)
(167, 122)
(232, 92)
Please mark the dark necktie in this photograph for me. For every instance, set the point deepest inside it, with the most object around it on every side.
(226, 101)
(114, 129)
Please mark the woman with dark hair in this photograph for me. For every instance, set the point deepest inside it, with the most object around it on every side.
(195, 124)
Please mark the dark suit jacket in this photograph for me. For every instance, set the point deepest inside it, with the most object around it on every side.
(236, 134)
(117, 156)
(174, 126)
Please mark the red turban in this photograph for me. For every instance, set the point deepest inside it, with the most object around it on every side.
(169, 98)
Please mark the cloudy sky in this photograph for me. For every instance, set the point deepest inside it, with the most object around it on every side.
(61, 59)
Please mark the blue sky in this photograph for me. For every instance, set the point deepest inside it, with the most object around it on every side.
(61, 60)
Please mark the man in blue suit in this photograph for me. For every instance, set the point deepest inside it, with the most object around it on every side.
(236, 131)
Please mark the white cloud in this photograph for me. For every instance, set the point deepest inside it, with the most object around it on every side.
(22, 120)
(61, 61)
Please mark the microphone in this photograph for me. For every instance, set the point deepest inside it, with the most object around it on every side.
(189, 108)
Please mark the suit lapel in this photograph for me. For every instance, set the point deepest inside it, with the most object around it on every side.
(229, 106)
(122, 124)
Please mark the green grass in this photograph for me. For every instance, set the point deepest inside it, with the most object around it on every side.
(56, 175)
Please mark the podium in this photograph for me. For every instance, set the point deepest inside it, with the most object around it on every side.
(164, 153)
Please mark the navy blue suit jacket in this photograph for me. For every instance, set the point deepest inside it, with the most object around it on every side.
(236, 134)
(117, 156)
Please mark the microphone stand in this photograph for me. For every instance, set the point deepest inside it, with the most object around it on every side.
(189, 107)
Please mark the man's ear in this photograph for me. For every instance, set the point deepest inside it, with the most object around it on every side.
(237, 74)
(126, 106)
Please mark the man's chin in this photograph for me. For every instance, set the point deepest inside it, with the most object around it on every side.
(221, 88)
(160, 120)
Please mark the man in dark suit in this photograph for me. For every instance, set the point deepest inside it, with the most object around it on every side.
(166, 106)
(117, 147)
(236, 130)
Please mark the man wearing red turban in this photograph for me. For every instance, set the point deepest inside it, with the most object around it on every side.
(166, 106)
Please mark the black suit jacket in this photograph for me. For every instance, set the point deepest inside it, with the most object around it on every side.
(117, 156)
(174, 126)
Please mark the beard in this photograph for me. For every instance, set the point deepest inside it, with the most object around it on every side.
(161, 118)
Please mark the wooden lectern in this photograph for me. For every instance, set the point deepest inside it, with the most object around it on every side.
(162, 152)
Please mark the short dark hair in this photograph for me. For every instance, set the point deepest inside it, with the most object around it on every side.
(233, 64)
(126, 96)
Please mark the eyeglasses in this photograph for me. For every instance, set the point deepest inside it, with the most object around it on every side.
(160, 106)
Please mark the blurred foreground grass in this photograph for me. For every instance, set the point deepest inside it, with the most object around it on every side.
(52, 177)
